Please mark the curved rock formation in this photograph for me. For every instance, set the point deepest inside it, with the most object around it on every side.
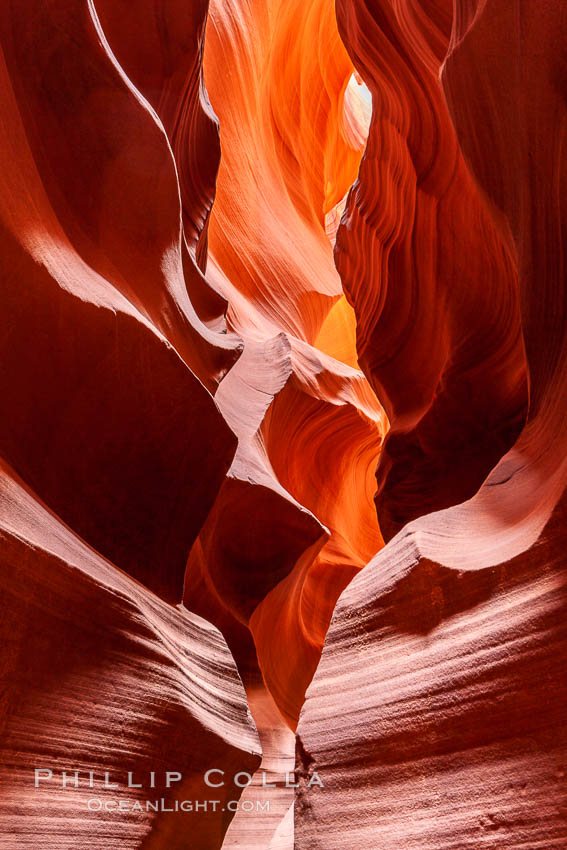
(101, 676)
(294, 521)
(272, 826)
(224, 329)
(457, 738)
(106, 372)
(431, 279)
(451, 691)
(279, 545)
(162, 56)
(267, 229)
(91, 223)
(110, 151)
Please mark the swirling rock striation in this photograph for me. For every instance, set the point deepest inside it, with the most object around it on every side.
(91, 223)
(102, 676)
(194, 396)
(451, 690)
(162, 56)
(279, 546)
(294, 520)
(457, 738)
(113, 451)
(117, 342)
(431, 279)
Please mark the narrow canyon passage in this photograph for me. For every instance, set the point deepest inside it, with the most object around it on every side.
(283, 448)
(299, 497)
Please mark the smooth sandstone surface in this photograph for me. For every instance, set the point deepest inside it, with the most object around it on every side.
(456, 737)
(108, 418)
(432, 280)
(294, 520)
(107, 374)
(100, 675)
(451, 693)
(284, 450)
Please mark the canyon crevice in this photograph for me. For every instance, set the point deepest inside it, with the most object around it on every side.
(283, 455)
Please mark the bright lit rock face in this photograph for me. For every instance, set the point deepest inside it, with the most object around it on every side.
(294, 520)
(284, 281)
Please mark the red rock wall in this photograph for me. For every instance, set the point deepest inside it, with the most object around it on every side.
(113, 451)
(283, 282)
(456, 737)
(432, 280)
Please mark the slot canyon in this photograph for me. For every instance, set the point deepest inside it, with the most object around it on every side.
(283, 456)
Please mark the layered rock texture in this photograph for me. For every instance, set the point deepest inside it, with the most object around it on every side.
(294, 520)
(448, 651)
(282, 461)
